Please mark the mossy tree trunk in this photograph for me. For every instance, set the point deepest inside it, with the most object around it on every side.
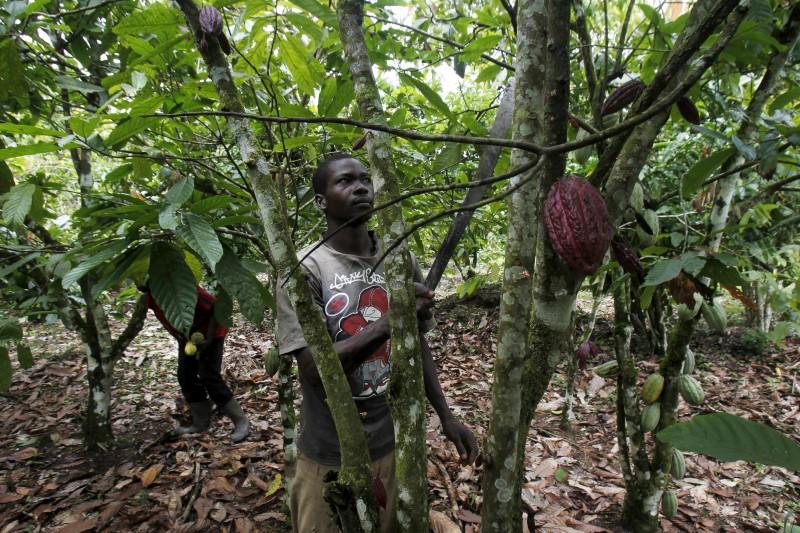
(354, 479)
(501, 495)
(407, 387)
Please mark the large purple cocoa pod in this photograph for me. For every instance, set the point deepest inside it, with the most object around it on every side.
(577, 221)
(210, 20)
(627, 257)
(688, 110)
(624, 95)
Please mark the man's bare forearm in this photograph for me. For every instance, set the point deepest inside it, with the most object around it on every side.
(433, 389)
(351, 351)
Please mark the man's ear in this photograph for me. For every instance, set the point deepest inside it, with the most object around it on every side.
(320, 201)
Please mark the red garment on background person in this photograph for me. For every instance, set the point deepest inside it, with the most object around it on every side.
(203, 313)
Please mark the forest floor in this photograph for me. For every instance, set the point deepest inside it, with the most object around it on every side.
(149, 482)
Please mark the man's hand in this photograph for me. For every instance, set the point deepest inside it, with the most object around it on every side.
(463, 439)
(424, 302)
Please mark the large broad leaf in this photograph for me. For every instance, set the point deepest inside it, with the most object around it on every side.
(242, 285)
(24, 129)
(156, 18)
(172, 285)
(201, 237)
(10, 331)
(18, 203)
(127, 129)
(223, 308)
(731, 438)
(693, 180)
(168, 218)
(480, 45)
(663, 271)
(298, 61)
(13, 83)
(181, 191)
(432, 96)
(5, 370)
(322, 12)
(722, 273)
(85, 266)
(74, 84)
(30, 149)
(120, 270)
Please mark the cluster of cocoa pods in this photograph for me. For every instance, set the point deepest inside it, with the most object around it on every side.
(210, 21)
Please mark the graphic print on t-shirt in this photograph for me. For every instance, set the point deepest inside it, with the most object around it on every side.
(371, 377)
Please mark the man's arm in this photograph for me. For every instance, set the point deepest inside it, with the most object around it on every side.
(459, 434)
(351, 351)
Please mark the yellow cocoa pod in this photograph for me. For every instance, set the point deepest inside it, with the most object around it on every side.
(653, 385)
(190, 348)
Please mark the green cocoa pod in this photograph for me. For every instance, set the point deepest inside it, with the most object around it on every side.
(669, 503)
(689, 362)
(690, 390)
(651, 219)
(653, 385)
(678, 469)
(197, 337)
(607, 370)
(582, 154)
(272, 362)
(637, 198)
(715, 317)
(651, 416)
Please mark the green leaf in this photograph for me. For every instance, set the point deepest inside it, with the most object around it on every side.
(721, 273)
(87, 265)
(168, 218)
(156, 18)
(663, 271)
(24, 356)
(173, 285)
(322, 12)
(488, 73)
(561, 475)
(223, 308)
(74, 84)
(448, 158)
(194, 265)
(480, 45)
(23, 129)
(5, 370)
(432, 96)
(236, 219)
(297, 60)
(127, 129)
(30, 149)
(18, 203)
(334, 96)
(13, 83)
(693, 180)
(123, 269)
(212, 203)
(181, 191)
(747, 151)
(5, 271)
(201, 237)
(10, 331)
(730, 438)
(242, 285)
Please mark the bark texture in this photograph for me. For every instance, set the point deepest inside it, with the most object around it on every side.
(501, 510)
(407, 386)
(354, 478)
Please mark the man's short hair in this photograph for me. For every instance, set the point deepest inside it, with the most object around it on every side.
(320, 177)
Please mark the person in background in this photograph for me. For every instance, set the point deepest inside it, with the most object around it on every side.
(200, 365)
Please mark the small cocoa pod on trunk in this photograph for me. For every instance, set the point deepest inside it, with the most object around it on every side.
(628, 258)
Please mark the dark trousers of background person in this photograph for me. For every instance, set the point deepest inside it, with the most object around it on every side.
(200, 375)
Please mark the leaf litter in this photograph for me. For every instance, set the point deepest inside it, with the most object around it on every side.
(150, 481)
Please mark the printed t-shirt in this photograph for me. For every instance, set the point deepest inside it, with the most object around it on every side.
(350, 296)
(203, 312)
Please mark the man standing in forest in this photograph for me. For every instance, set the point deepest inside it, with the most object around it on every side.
(200, 366)
(352, 297)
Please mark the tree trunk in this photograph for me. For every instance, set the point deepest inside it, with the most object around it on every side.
(407, 387)
(501, 510)
(354, 479)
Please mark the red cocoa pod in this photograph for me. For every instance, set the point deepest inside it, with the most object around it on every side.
(688, 110)
(210, 20)
(624, 95)
(359, 144)
(574, 122)
(577, 222)
(628, 258)
(585, 351)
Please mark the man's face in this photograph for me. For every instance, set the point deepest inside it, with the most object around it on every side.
(349, 191)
